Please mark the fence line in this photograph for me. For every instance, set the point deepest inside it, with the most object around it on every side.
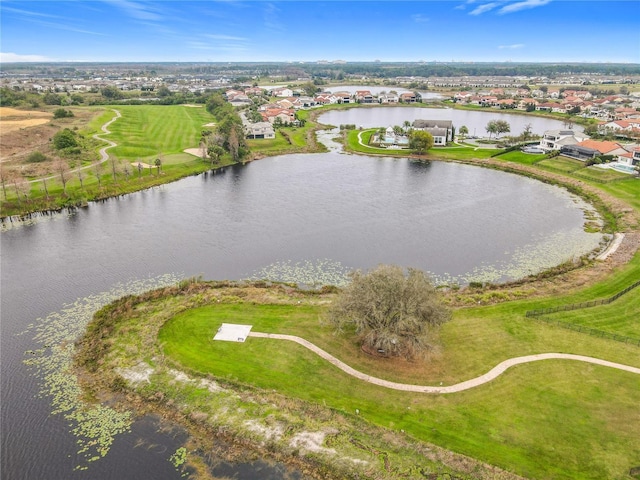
(538, 314)
(577, 306)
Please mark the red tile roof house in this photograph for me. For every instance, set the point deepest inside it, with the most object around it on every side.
(604, 147)
(590, 149)
(364, 96)
(631, 158)
(343, 97)
(408, 97)
(285, 115)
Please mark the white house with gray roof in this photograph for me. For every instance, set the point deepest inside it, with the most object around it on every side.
(556, 139)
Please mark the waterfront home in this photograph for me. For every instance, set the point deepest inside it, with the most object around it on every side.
(259, 130)
(556, 139)
(630, 158)
(441, 130)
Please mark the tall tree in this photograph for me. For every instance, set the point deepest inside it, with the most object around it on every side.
(391, 311)
(420, 141)
(464, 131)
(491, 128)
(502, 127)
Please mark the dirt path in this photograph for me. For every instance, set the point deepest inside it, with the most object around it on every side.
(458, 387)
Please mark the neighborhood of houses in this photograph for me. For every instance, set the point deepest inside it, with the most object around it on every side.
(616, 114)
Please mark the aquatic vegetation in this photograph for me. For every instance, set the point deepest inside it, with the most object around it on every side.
(310, 273)
(530, 259)
(93, 425)
(179, 458)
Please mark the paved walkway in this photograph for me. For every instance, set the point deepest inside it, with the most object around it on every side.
(104, 156)
(458, 387)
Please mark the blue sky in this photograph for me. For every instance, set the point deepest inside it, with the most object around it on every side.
(256, 30)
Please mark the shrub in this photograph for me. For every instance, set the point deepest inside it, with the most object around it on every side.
(64, 139)
(62, 113)
(36, 157)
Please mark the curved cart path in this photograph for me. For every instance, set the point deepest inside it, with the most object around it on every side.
(458, 387)
(104, 156)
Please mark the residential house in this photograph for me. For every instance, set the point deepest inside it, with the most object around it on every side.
(325, 99)
(364, 96)
(284, 115)
(604, 147)
(619, 126)
(282, 92)
(388, 98)
(408, 97)
(630, 158)
(556, 139)
(343, 97)
(259, 130)
(441, 130)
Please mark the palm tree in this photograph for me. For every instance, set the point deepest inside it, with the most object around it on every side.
(158, 163)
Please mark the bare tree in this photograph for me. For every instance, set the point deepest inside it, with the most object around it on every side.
(126, 169)
(22, 188)
(391, 312)
(44, 184)
(203, 150)
(80, 177)
(98, 171)
(5, 177)
(62, 168)
(114, 168)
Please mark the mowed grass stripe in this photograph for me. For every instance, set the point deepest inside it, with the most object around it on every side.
(145, 131)
(550, 419)
(621, 317)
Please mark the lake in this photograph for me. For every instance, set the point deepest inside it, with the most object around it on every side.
(313, 217)
(474, 120)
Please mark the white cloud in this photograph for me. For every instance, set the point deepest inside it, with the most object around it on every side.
(138, 10)
(523, 5)
(28, 12)
(8, 57)
(419, 18)
(484, 8)
(224, 37)
(271, 17)
(511, 47)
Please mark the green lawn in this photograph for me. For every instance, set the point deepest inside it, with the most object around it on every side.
(561, 163)
(622, 317)
(146, 131)
(552, 419)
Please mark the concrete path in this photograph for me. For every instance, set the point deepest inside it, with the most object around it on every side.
(458, 387)
(104, 156)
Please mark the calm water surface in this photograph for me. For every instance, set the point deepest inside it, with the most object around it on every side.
(475, 121)
(332, 209)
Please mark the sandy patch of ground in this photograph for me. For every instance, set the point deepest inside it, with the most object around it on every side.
(12, 119)
(311, 442)
(192, 106)
(137, 374)
(144, 165)
(211, 124)
(196, 152)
